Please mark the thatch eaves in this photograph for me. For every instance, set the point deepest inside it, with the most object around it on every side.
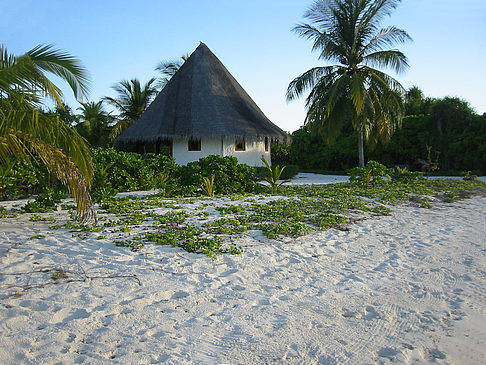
(201, 100)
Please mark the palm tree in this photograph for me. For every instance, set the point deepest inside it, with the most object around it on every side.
(25, 129)
(131, 102)
(95, 125)
(347, 32)
(168, 69)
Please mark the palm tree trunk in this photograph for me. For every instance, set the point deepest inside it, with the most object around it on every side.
(361, 149)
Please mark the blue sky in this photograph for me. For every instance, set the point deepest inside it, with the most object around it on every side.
(121, 39)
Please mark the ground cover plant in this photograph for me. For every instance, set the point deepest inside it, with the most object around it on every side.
(213, 225)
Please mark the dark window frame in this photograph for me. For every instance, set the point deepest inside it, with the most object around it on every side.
(194, 144)
(240, 144)
(267, 145)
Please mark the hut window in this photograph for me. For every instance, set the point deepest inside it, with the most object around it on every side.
(194, 145)
(240, 144)
(266, 144)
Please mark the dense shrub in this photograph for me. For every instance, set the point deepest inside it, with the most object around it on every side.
(290, 171)
(280, 154)
(229, 175)
(19, 179)
(128, 171)
(449, 126)
(373, 172)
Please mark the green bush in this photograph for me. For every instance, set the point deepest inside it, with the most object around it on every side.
(374, 172)
(290, 172)
(280, 154)
(19, 179)
(229, 176)
(128, 171)
(405, 176)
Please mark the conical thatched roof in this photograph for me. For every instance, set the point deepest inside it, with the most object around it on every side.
(201, 100)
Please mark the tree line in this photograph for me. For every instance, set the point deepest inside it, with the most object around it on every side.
(445, 132)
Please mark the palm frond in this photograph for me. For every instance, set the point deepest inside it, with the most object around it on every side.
(63, 65)
(392, 59)
(307, 81)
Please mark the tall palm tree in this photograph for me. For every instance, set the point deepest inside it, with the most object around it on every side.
(25, 129)
(347, 32)
(168, 69)
(131, 102)
(95, 125)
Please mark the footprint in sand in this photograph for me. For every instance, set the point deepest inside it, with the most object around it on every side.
(387, 352)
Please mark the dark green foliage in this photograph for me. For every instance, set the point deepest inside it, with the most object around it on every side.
(289, 171)
(449, 126)
(229, 176)
(4, 212)
(280, 154)
(127, 171)
(310, 151)
(189, 238)
(19, 179)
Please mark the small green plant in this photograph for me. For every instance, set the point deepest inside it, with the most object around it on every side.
(469, 176)
(58, 274)
(37, 236)
(235, 250)
(38, 218)
(232, 209)
(274, 176)
(134, 245)
(162, 181)
(4, 213)
(208, 185)
(403, 175)
(422, 200)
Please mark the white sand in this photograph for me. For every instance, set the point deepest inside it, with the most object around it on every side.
(408, 288)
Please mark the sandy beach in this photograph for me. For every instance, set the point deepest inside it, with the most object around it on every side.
(406, 288)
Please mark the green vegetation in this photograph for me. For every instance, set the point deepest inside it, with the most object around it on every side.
(38, 218)
(454, 133)
(26, 129)
(44, 202)
(131, 101)
(208, 185)
(229, 175)
(135, 222)
(274, 176)
(374, 172)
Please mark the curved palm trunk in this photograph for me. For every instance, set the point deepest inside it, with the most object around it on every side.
(361, 149)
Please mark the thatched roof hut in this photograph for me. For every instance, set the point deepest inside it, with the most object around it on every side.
(202, 100)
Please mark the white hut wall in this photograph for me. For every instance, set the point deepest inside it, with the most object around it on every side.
(182, 155)
(253, 153)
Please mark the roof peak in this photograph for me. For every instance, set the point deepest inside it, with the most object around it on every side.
(201, 99)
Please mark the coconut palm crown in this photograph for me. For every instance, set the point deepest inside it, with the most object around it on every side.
(347, 33)
(131, 101)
